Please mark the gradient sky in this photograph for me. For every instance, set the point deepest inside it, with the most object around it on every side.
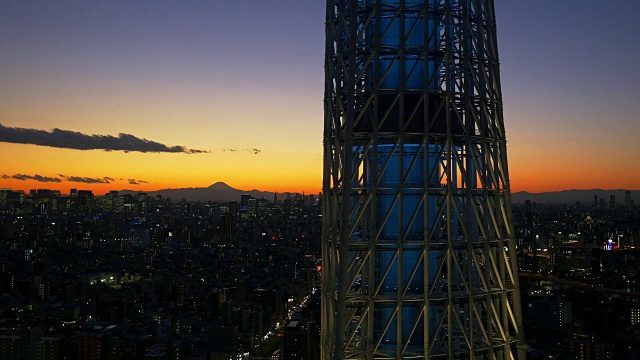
(248, 74)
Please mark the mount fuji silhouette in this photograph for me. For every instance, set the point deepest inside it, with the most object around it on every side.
(218, 192)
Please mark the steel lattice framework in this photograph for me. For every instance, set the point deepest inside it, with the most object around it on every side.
(418, 258)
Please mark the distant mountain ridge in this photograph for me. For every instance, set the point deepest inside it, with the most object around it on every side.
(218, 192)
(571, 196)
(221, 192)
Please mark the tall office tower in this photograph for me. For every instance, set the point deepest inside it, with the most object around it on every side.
(419, 258)
(612, 201)
(628, 201)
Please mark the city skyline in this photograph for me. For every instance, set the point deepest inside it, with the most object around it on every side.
(232, 92)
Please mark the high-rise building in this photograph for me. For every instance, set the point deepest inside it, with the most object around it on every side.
(10, 347)
(90, 345)
(585, 347)
(635, 315)
(3, 196)
(612, 202)
(221, 342)
(51, 348)
(295, 340)
(419, 257)
(228, 228)
(628, 201)
(244, 202)
(528, 214)
(252, 206)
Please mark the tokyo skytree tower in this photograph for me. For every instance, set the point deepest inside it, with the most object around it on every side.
(419, 258)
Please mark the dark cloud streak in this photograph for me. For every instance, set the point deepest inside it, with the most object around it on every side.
(137, 182)
(253, 151)
(77, 179)
(66, 139)
(87, 180)
(35, 177)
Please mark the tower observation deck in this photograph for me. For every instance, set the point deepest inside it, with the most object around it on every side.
(419, 259)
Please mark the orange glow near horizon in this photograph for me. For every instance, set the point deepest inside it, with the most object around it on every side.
(102, 189)
(300, 171)
(146, 172)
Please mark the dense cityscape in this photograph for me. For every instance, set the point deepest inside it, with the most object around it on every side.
(129, 276)
(139, 277)
(579, 275)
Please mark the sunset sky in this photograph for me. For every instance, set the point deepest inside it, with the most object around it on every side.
(210, 90)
